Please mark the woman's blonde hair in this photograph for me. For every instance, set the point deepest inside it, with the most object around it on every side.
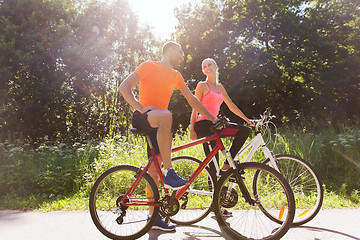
(212, 60)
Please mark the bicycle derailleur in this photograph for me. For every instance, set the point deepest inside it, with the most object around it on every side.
(121, 209)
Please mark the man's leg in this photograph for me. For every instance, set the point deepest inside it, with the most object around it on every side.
(162, 120)
(141, 121)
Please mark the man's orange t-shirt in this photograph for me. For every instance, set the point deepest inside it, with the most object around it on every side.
(157, 84)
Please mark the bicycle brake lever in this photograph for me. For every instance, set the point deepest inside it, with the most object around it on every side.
(218, 126)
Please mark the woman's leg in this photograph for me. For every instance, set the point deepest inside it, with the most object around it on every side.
(241, 134)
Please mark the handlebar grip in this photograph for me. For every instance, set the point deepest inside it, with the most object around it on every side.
(218, 126)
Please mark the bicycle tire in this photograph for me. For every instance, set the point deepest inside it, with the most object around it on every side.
(105, 208)
(196, 203)
(248, 221)
(305, 183)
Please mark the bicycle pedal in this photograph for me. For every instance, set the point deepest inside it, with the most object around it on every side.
(167, 220)
(232, 179)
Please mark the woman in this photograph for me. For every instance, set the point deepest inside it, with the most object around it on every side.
(212, 94)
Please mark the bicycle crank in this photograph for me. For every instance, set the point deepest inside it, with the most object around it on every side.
(169, 207)
(228, 198)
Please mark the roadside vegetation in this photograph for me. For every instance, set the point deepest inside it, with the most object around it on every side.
(62, 62)
(59, 176)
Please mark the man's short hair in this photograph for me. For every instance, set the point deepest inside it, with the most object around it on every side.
(169, 45)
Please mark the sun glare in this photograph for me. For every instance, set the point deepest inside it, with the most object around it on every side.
(158, 14)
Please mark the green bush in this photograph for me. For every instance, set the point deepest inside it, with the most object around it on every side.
(51, 175)
(51, 170)
(334, 153)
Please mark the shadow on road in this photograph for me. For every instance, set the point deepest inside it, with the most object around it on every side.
(316, 233)
(77, 225)
(196, 232)
(192, 232)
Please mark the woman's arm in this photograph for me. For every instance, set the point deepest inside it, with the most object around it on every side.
(233, 108)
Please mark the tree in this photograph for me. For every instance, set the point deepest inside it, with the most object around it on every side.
(62, 64)
(299, 57)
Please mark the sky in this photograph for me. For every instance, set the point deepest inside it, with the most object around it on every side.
(158, 14)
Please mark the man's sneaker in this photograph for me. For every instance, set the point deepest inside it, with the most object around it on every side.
(161, 225)
(173, 181)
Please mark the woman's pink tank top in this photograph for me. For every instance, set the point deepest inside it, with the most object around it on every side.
(212, 102)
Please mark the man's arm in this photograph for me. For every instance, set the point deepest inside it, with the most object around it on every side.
(125, 89)
(195, 103)
(198, 94)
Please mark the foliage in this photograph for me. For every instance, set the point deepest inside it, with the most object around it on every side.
(61, 65)
(52, 176)
(334, 153)
(53, 170)
(302, 54)
(62, 61)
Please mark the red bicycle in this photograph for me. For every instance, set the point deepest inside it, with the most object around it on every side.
(261, 200)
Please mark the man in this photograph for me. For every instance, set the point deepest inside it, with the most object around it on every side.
(157, 81)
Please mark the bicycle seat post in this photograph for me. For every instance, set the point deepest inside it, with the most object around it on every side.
(213, 160)
(146, 135)
(149, 142)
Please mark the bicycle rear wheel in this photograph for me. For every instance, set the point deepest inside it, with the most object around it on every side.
(306, 186)
(110, 215)
(268, 189)
(196, 202)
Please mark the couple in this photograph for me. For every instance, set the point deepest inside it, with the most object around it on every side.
(157, 81)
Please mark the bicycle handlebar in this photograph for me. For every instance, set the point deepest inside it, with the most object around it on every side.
(264, 118)
(223, 121)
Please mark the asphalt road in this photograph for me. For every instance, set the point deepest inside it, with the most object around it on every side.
(337, 224)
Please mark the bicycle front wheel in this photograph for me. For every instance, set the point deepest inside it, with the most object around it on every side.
(306, 186)
(118, 217)
(196, 202)
(267, 189)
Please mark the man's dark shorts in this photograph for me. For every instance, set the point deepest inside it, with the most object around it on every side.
(140, 122)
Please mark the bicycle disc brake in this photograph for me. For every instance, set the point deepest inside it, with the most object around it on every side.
(165, 207)
(228, 199)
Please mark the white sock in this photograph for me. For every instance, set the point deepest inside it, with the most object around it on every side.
(166, 171)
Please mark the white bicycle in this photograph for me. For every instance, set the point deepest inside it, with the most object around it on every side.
(303, 179)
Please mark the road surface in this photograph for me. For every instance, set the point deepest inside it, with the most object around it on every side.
(337, 224)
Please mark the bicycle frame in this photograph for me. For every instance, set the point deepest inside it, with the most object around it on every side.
(154, 159)
(254, 146)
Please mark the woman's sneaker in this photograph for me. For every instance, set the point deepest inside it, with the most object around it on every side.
(161, 225)
(226, 213)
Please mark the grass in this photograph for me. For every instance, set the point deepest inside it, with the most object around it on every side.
(60, 176)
